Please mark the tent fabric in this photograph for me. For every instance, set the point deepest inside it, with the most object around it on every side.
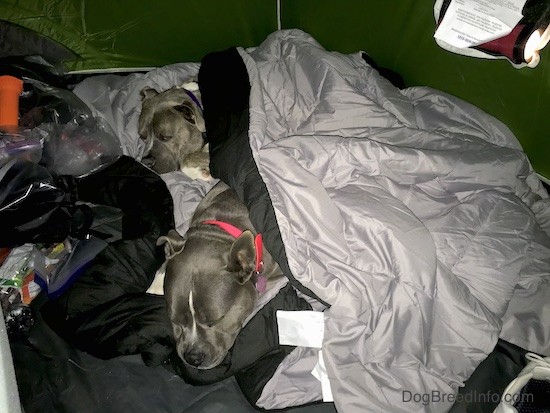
(18, 41)
(104, 35)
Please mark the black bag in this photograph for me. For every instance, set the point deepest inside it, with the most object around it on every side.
(33, 209)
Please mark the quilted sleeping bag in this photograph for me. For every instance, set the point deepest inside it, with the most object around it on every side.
(415, 217)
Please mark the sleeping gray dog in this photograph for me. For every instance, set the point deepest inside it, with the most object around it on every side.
(172, 126)
(214, 277)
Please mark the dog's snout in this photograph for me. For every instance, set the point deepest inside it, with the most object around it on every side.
(194, 358)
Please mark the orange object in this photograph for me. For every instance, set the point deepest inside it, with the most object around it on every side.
(10, 90)
(27, 293)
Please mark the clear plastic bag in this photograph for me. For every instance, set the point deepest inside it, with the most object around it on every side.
(76, 149)
(59, 132)
(20, 146)
(42, 103)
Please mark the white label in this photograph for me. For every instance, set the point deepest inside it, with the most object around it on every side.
(301, 328)
(320, 373)
(473, 22)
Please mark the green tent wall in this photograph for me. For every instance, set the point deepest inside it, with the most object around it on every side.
(396, 34)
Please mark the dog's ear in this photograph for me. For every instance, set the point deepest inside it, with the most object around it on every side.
(242, 257)
(147, 111)
(148, 92)
(174, 243)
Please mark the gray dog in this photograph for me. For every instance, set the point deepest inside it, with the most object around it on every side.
(214, 277)
(172, 126)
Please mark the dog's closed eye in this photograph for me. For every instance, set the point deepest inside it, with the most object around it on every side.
(164, 138)
(212, 323)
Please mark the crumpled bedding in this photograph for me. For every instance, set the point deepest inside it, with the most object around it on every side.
(415, 215)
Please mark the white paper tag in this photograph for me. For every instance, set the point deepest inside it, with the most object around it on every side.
(320, 373)
(301, 328)
(473, 22)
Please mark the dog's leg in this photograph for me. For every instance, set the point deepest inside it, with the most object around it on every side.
(157, 286)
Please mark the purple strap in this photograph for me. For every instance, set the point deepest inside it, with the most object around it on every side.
(193, 98)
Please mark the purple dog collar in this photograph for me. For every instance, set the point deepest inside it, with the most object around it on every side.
(194, 98)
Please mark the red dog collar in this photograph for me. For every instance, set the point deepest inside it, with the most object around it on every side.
(261, 281)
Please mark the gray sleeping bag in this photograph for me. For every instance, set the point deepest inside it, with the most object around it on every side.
(415, 215)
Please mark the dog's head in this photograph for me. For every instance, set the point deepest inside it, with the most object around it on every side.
(172, 126)
(209, 293)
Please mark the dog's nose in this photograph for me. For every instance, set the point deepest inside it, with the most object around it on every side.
(194, 358)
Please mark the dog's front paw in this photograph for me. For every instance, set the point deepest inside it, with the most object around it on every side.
(157, 286)
(196, 172)
(206, 175)
(197, 166)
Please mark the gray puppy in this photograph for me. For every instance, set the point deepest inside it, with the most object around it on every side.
(172, 126)
(214, 278)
